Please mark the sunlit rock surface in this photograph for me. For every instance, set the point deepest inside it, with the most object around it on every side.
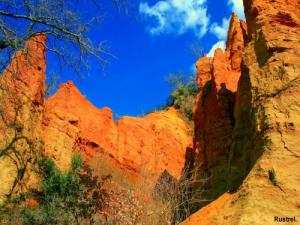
(67, 124)
(22, 88)
(265, 140)
(217, 79)
(149, 144)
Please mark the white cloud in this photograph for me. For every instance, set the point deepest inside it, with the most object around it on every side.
(219, 44)
(237, 6)
(220, 31)
(176, 16)
(179, 16)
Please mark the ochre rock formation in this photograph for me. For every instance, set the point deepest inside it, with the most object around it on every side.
(207, 214)
(67, 123)
(263, 165)
(72, 123)
(217, 79)
(22, 88)
(149, 144)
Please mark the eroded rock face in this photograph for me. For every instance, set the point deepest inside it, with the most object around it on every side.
(71, 123)
(22, 88)
(265, 140)
(149, 144)
(217, 79)
(268, 85)
(67, 123)
(267, 125)
(207, 215)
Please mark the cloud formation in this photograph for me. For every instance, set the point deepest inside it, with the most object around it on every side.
(237, 6)
(219, 44)
(177, 16)
(220, 31)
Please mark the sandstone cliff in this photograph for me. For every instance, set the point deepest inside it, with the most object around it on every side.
(67, 123)
(217, 79)
(247, 119)
(149, 144)
(263, 164)
(22, 88)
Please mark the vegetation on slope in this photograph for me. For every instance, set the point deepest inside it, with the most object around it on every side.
(166, 202)
(182, 96)
(71, 197)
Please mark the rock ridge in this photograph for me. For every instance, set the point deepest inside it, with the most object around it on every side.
(217, 80)
(134, 142)
(22, 90)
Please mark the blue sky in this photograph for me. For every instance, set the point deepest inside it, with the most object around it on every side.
(153, 41)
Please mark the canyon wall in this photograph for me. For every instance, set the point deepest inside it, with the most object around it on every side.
(262, 168)
(217, 80)
(67, 124)
(22, 88)
(247, 119)
(142, 145)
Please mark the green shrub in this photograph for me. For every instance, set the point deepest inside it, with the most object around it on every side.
(184, 99)
(183, 95)
(71, 197)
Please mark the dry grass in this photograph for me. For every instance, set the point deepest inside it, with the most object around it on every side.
(132, 201)
(138, 202)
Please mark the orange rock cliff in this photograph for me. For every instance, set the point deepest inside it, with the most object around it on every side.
(217, 80)
(67, 123)
(22, 89)
(149, 144)
(250, 146)
(247, 118)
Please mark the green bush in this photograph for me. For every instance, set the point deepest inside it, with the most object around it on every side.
(184, 99)
(71, 197)
(183, 95)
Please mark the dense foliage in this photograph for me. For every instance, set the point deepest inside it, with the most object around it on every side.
(183, 99)
(71, 197)
(182, 96)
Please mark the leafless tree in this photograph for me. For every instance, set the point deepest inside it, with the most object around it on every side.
(64, 22)
(179, 196)
(197, 50)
